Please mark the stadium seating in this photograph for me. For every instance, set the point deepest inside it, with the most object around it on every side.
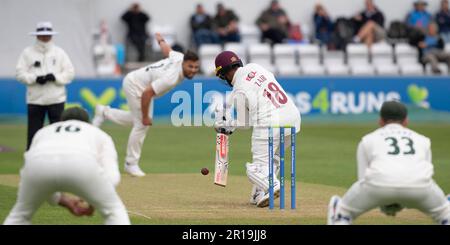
(447, 47)
(334, 62)
(358, 59)
(261, 54)
(382, 56)
(167, 31)
(286, 59)
(309, 59)
(381, 59)
(442, 66)
(208, 53)
(250, 34)
(407, 60)
(239, 49)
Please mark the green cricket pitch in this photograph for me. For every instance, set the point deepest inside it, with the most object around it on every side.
(175, 192)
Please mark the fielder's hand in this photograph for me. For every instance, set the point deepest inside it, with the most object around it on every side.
(76, 205)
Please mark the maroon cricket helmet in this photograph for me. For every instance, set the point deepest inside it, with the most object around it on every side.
(225, 61)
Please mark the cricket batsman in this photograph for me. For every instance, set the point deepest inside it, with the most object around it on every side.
(141, 87)
(260, 102)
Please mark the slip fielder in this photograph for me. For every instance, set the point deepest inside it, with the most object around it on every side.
(75, 157)
(394, 171)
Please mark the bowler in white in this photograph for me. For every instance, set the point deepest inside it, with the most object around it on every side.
(141, 87)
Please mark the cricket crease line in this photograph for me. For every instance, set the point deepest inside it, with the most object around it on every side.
(139, 214)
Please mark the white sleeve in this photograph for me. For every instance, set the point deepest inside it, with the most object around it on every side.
(240, 102)
(108, 158)
(362, 160)
(428, 156)
(176, 56)
(53, 200)
(164, 84)
(22, 73)
(67, 71)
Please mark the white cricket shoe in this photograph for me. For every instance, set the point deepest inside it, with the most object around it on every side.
(134, 170)
(332, 206)
(256, 195)
(99, 117)
(264, 200)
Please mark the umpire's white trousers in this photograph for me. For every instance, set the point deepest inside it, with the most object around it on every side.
(133, 118)
(46, 174)
(258, 170)
(363, 196)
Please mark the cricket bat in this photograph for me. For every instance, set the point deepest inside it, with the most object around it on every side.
(221, 165)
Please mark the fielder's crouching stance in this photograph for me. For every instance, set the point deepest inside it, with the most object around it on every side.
(75, 157)
(394, 171)
(260, 102)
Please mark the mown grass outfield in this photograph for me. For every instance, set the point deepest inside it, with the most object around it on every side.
(175, 192)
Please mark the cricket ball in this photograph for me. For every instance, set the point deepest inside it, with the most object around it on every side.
(205, 171)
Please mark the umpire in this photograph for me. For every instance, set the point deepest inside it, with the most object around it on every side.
(45, 69)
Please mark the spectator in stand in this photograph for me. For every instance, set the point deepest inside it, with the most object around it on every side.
(274, 24)
(323, 26)
(226, 25)
(369, 25)
(431, 49)
(419, 17)
(443, 21)
(202, 27)
(136, 21)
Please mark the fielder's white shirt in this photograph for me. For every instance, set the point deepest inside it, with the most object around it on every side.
(162, 75)
(395, 156)
(39, 60)
(79, 138)
(261, 101)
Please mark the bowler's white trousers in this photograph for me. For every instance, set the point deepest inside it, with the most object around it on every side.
(45, 174)
(133, 118)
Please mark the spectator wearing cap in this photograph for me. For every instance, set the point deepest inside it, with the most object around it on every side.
(274, 24)
(202, 27)
(370, 25)
(226, 24)
(419, 17)
(443, 21)
(45, 69)
(137, 35)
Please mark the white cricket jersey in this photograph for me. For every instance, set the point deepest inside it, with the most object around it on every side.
(75, 137)
(395, 156)
(162, 75)
(266, 102)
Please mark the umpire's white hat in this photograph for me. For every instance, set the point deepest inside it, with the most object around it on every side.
(44, 28)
